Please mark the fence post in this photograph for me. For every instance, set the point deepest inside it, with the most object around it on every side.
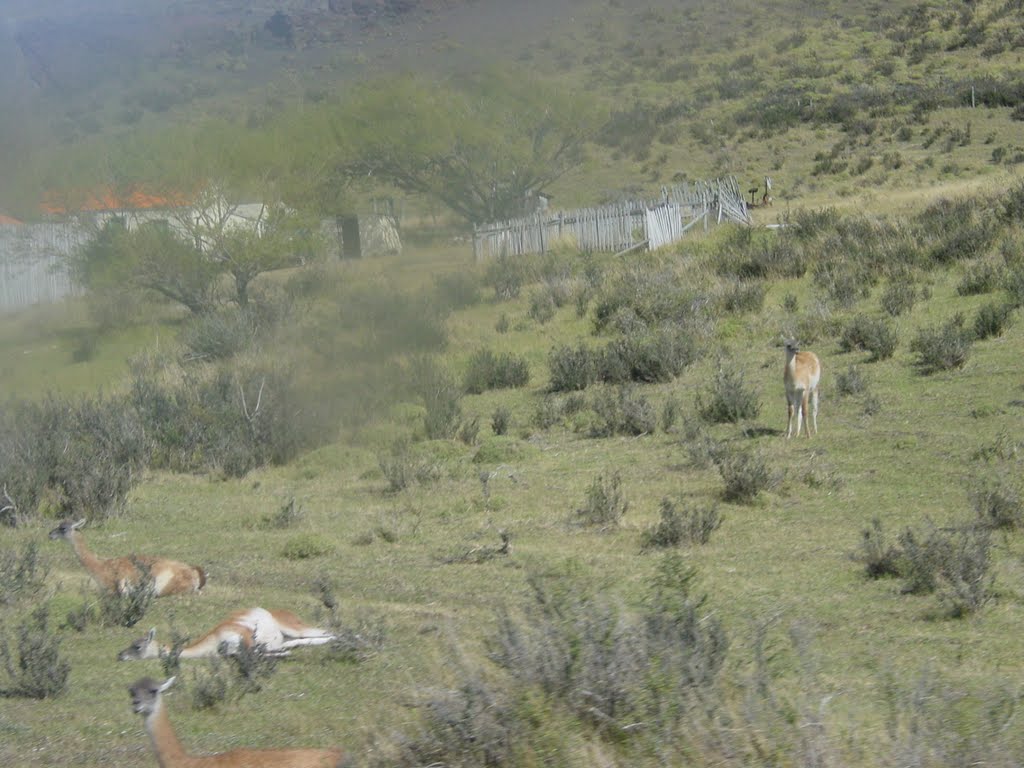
(476, 251)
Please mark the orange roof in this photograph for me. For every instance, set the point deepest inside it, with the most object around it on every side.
(8, 221)
(136, 199)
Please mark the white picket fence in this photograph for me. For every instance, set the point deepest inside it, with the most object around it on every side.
(33, 260)
(617, 226)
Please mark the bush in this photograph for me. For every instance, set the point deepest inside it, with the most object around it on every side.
(980, 277)
(740, 297)
(457, 290)
(442, 399)
(486, 370)
(288, 516)
(219, 335)
(508, 275)
(611, 667)
(880, 559)
(605, 504)
(851, 381)
(622, 411)
(572, 369)
(943, 348)
(871, 335)
(305, 546)
(998, 501)
(992, 319)
(692, 525)
(500, 420)
(37, 670)
(649, 356)
(746, 474)
(22, 573)
(128, 607)
(728, 399)
(899, 297)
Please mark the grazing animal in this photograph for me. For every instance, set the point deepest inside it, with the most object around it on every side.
(121, 574)
(147, 701)
(801, 375)
(273, 632)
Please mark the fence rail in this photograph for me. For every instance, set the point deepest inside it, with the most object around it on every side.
(617, 226)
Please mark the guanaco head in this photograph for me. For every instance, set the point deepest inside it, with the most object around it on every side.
(146, 694)
(66, 528)
(145, 647)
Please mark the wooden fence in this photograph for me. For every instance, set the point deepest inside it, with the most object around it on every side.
(33, 260)
(618, 226)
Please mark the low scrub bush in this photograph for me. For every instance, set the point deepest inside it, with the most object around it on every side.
(648, 356)
(218, 335)
(899, 297)
(572, 369)
(128, 607)
(998, 500)
(871, 335)
(681, 525)
(992, 319)
(500, 420)
(442, 398)
(22, 573)
(851, 382)
(457, 290)
(746, 474)
(605, 504)
(743, 296)
(289, 515)
(599, 659)
(879, 557)
(508, 274)
(622, 411)
(304, 546)
(728, 399)
(487, 370)
(944, 347)
(36, 669)
(954, 563)
(980, 277)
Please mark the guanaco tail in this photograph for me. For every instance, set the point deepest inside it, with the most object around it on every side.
(120, 574)
(801, 376)
(274, 633)
(147, 701)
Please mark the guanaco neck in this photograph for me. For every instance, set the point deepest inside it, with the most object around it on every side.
(93, 564)
(169, 751)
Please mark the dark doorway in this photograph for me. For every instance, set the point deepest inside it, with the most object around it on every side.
(351, 248)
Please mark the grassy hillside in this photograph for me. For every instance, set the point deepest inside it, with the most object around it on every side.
(683, 584)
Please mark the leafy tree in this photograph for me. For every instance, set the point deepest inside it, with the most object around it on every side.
(478, 145)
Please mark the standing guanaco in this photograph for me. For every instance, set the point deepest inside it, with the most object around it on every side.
(801, 375)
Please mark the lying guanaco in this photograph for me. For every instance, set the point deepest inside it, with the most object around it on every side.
(148, 702)
(120, 574)
(801, 375)
(273, 632)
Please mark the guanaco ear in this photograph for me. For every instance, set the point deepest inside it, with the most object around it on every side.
(76, 525)
(150, 636)
(166, 684)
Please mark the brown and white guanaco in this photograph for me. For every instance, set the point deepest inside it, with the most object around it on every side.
(801, 376)
(275, 633)
(147, 701)
(120, 574)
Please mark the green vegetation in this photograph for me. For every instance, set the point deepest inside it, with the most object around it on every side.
(675, 583)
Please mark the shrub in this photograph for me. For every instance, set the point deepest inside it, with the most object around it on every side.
(457, 290)
(218, 335)
(486, 370)
(742, 297)
(851, 381)
(746, 474)
(128, 607)
(703, 450)
(648, 356)
(992, 319)
(880, 558)
(622, 411)
(508, 275)
(305, 546)
(572, 369)
(728, 398)
(500, 420)
(288, 516)
(442, 399)
(874, 336)
(967, 572)
(980, 277)
(944, 347)
(998, 501)
(22, 573)
(693, 525)
(36, 670)
(605, 504)
(922, 560)
(899, 297)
